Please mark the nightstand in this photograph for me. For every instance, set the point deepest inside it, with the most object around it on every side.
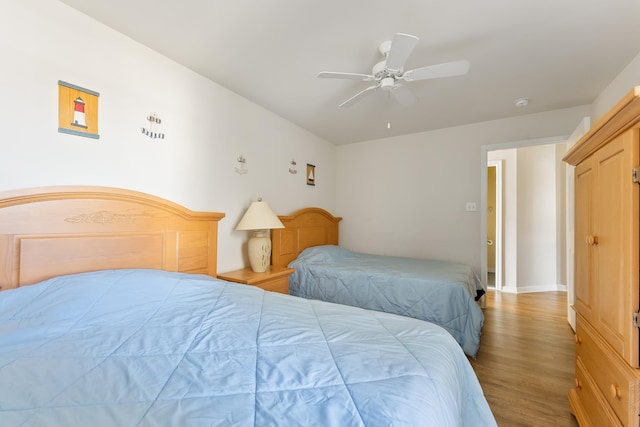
(275, 279)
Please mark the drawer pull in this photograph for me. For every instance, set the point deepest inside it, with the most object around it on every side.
(578, 384)
(592, 240)
(615, 391)
(577, 339)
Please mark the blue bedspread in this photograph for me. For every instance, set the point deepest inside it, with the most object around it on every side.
(441, 292)
(150, 348)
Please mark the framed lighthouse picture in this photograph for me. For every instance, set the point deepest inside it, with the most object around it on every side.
(77, 110)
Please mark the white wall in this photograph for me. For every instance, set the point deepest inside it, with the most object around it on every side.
(207, 127)
(537, 209)
(561, 215)
(407, 195)
(619, 87)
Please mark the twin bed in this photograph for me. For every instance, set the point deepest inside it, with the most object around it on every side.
(441, 292)
(110, 315)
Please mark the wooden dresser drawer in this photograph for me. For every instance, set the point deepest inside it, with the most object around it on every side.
(614, 378)
(588, 404)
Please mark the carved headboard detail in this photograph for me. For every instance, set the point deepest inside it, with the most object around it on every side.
(51, 231)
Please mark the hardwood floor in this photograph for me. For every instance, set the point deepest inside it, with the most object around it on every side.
(526, 359)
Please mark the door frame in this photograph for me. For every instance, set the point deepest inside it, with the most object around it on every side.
(484, 149)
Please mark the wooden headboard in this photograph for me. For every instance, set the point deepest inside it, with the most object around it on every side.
(302, 229)
(50, 231)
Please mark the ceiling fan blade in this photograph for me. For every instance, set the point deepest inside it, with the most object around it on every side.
(358, 96)
(403, 95)
(448, 69)
(352, 76)
(401, 47)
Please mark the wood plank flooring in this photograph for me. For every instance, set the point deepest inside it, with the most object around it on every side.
(526, 359)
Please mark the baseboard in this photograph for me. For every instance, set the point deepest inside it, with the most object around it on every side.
(531, 289)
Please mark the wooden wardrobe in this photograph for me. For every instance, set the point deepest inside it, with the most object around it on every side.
(607, 220)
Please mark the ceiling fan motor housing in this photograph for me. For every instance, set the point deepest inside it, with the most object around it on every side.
(379, 70)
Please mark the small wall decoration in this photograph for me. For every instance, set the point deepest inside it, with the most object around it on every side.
(293, 169)
(154, 125)
(240, 169)
(311, 174)
(77, 110)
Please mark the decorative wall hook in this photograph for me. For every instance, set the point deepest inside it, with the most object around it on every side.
(154, 123)
(292, 169)
(240, 169)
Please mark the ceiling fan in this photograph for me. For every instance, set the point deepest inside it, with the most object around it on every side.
(389, 73)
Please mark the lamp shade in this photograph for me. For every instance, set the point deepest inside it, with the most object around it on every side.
(259, 216)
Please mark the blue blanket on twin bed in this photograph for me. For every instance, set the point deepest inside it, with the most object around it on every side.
(441, 292)
(151, 348)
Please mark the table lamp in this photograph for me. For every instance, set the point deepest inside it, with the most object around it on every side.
(259, 218)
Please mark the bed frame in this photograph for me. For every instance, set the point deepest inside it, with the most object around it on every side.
(304, 228)
(51, 231)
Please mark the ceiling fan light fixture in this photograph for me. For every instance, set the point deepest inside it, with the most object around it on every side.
(387, 83)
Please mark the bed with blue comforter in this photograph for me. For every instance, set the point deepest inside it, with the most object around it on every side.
(441, 292)
(145, 347)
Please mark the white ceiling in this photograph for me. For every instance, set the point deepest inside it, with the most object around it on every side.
(558, 53)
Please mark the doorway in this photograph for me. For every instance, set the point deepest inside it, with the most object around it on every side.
(582, 128)
(509, 231)
(494, 224)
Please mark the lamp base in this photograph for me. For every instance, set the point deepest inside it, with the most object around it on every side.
(259, 246)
